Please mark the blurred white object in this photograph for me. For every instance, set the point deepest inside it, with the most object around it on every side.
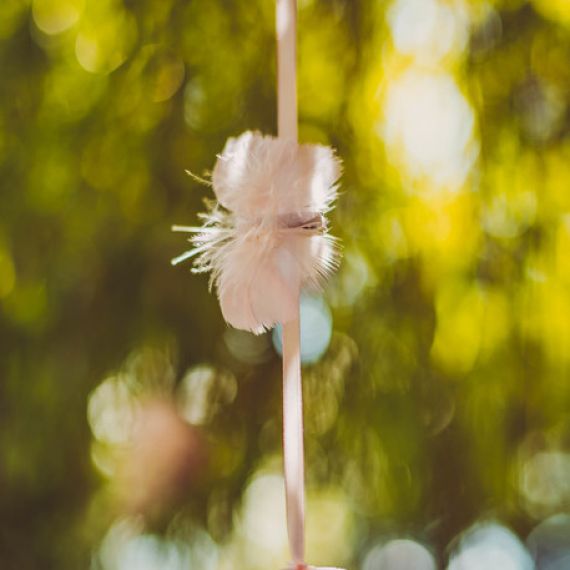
(316, 329)
(401, 554)
(490, 547)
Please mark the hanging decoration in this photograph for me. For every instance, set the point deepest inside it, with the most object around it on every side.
(264, 239)
(266, 236)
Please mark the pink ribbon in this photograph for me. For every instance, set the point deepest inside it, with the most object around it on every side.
(293, 452)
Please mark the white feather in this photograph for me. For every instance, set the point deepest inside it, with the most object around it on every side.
(266, 237)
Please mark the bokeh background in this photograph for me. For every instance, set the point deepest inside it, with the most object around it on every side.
(139, 432)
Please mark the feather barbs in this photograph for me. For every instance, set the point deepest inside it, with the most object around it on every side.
(266, 237)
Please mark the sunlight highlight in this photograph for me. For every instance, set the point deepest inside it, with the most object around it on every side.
(429, 128)
(429, 30)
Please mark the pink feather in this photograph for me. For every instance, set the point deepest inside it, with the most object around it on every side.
(266, 237)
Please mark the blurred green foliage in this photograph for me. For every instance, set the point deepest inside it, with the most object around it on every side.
(444, 395)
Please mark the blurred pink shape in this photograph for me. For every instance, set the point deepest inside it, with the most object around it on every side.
(166, 458)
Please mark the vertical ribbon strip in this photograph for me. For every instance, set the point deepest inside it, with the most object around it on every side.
(293, 454)
(264, 238)
(293, 450)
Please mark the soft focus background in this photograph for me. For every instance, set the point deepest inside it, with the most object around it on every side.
(139, 432)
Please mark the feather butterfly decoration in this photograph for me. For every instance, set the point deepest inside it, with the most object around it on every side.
(266, 236)
(264, 239)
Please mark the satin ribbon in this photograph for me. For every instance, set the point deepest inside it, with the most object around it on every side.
(293, 452)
